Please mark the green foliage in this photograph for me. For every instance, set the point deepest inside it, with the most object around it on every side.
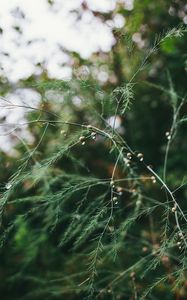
(83, 214)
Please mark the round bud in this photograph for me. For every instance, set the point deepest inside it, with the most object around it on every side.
(168, 135)
(165, 259)
(180, 234)
(82, 138)
(144, 249)
(140, 156)
(93, 135)
(129, 155)
(133, 191)
(8, 185)
(89, 126)
(138, 202)
(119, 189)
(153, 179)
(132, 275)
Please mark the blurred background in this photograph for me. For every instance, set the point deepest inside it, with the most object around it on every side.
(61, 39)
(67, 57)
